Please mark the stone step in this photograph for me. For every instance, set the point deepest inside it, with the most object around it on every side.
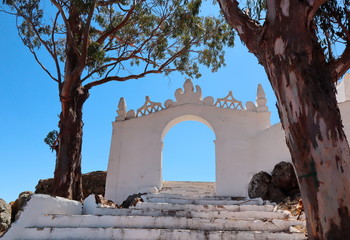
(150, 234)
(162, 222)
(220, 213)
(180, 199)
(203, 207)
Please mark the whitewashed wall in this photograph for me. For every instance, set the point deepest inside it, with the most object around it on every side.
(245, 142)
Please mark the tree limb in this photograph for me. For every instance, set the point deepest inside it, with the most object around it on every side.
(106, 3)
(117, 28)
(315, 5)
(119, 79)
(59, 78)
(66, 22)
(42, 65)
(246, 27)
(342, 64)
(85, 33)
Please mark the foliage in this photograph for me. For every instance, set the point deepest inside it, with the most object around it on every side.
(52, 140)
(126, 39)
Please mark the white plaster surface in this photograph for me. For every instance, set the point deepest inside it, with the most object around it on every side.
(62, 219)
(245, 142)
(136, 150)
(38, 206)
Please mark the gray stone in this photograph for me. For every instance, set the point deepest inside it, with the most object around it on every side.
(259, 185)
(283, 178)
(275, 194)
(93, 183)
(5, 215)
(18, 205)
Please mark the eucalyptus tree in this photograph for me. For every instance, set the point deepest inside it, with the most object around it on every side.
(304, 47)
(92, 42)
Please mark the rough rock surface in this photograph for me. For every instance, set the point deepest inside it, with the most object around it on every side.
(283, 177)
(5, 216)
(259, 185)
(18, 205)
(104, 202)
(93, 183)
(132, 200)
(282, 184)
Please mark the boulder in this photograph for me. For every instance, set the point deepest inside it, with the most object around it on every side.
(132, 200)
(92, 182)
(275, 194)
(5, 216)
(44, 186)
(18, 205)
(100, 200)
(259, 185)
(283, 177)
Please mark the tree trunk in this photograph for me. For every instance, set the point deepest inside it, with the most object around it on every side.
(67, 177)
(303, 84)
(288, 49)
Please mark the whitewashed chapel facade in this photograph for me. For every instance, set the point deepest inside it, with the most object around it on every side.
(245, 142)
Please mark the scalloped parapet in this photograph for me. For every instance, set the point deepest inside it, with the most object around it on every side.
(229, 102)
(191, 94)
(188, 95)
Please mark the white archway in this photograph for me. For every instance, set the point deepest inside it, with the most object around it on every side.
(188, 152)
(135, 158)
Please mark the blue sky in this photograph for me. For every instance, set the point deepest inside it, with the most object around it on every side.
(29, 109)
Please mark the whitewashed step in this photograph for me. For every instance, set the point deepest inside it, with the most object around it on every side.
(179, 199)
(150, 234)
(249, 215)
(162, 222)
(203, 207)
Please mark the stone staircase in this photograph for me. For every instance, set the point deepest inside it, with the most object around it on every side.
(180, 211)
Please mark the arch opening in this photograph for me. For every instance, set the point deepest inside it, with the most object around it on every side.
(188, 150)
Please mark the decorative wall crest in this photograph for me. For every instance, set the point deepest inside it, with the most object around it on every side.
(229, 102)
(188, 95)
(149, 107)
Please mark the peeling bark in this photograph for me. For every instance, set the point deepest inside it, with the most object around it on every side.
(304, 86)
(67, 176)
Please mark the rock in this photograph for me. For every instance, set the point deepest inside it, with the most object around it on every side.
(44, 186)
(18, 205)
(132, 200)
(93, 183)
(100, 200)
(283, 177)
(5, 216)
(275, 194)
(259, 185)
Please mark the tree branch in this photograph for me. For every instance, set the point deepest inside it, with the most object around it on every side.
(246, 27)
(66, 22)
(59, 78)
(117, 28)
(119, 79)
(106, 3)
(85, 34)
(42, 65)
(342, 64)
(315, 5)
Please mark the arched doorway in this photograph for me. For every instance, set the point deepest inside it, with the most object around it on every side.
(189, 153)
